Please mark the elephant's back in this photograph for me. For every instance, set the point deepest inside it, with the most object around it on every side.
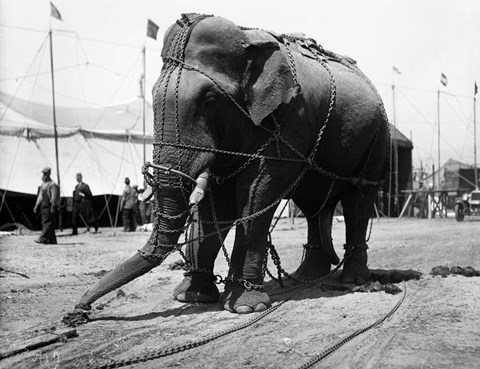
(357, 116)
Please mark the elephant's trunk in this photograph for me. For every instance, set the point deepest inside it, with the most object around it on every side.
(120, 275)
(325, 226)
(170, 203)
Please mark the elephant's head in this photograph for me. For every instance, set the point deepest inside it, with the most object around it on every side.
(217, 83)
(216, 78)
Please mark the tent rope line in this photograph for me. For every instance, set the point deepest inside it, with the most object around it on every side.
(8, 182)
(23, 78)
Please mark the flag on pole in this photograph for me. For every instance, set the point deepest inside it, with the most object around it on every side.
(475, 89)
(152, 29)
(395, 69)
(54, 12)
(443, 79)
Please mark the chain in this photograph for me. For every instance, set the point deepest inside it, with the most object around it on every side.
(221, 179)
(317, 358)
(275, 259)
(348, 253)
(176, 62)
(333, 93)
(192, 344)
(291, 62)
(247, 285)
(330, 189)
(227, 152)
(298, 280)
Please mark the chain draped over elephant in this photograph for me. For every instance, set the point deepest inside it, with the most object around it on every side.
(253, 117)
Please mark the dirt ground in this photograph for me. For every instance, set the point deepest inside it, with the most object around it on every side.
(436, 326)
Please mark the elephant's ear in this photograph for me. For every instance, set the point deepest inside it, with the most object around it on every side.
(268, 80)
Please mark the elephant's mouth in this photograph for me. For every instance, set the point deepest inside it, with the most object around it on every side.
(201, 183)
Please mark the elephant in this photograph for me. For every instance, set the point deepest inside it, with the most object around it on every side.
(246, 118)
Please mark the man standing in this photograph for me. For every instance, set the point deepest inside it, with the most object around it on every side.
(127, 204)
(83, 206)
(48, 199)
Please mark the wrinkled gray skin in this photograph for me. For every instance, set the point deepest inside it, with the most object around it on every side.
(252, 67)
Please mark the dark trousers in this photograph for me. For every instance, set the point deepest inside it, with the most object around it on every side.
(83, 211)
(48, 227)
(128, 217)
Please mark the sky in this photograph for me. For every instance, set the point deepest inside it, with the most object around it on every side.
(98, 54)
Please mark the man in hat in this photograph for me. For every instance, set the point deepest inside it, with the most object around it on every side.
(48, 200)
(83, 206)
(127, 205)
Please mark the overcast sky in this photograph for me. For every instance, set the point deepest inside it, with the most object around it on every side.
(97, 53)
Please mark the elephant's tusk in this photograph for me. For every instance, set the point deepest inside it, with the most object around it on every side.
(199, 190)
(147, 194)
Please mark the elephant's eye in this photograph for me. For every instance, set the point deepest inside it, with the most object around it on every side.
(209, 98)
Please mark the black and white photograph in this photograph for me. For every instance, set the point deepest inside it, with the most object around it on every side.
(255, 184)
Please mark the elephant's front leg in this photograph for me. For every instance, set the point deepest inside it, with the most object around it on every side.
(244, 290)
(258, 190)
(199, 282)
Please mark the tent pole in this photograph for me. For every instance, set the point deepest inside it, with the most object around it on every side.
(54, 110)
(143, 99)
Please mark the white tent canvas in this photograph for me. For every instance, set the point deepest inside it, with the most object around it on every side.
(104, 144)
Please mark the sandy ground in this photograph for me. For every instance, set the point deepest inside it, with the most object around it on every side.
(436, 326)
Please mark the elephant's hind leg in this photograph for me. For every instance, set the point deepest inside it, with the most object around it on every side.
(358, 207)
(318, 257)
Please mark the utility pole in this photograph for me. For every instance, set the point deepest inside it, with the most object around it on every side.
(475, 136)
(395, 152)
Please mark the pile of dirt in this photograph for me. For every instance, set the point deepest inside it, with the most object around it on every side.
(445, 271)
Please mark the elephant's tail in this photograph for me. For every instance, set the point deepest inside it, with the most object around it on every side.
(325, 227)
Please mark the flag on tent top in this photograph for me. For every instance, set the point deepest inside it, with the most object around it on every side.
(395, 69)
(443, 79)
(475, 89)
(54, 12)
(152, 29)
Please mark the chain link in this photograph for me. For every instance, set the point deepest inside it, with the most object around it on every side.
(291, 62)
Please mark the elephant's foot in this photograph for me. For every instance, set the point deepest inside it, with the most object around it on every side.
(237, 299)
(316, 264)
(355, 270)
(197, 287)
